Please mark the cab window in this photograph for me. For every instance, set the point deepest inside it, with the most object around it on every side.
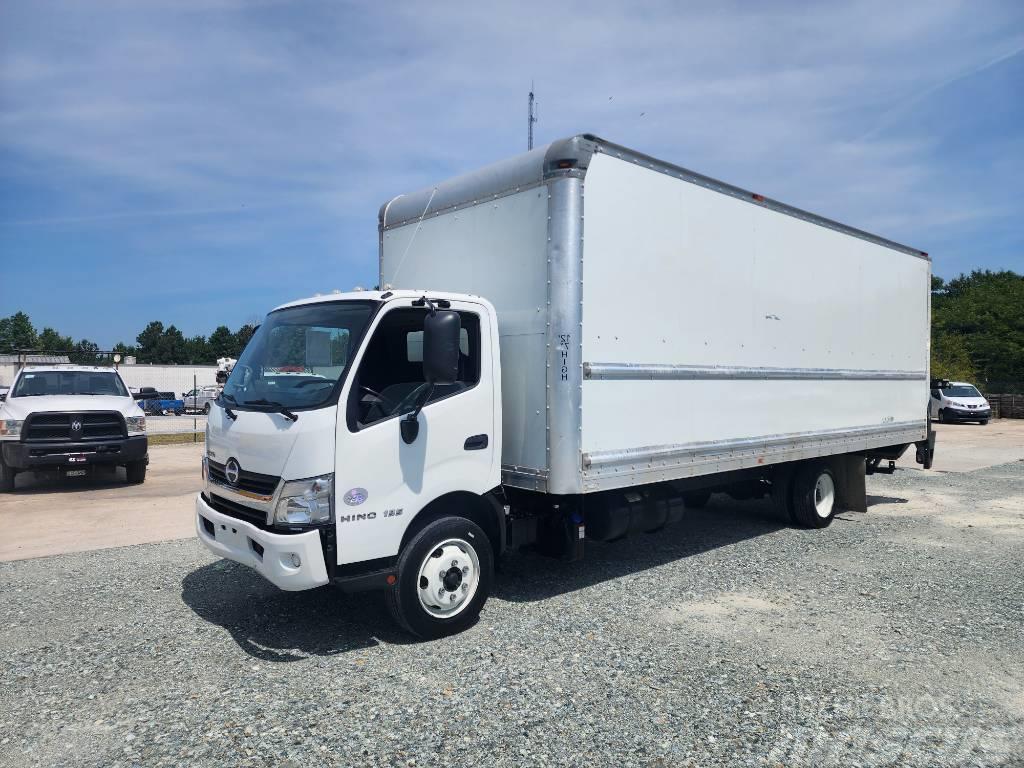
(390, 376)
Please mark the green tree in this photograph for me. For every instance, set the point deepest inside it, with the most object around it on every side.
(222, 343)
(51, 341)
(85, 353)
(17, 332)
(242, 337)
(950, 359)
(986, 310)
(149, 341)
(197, 350)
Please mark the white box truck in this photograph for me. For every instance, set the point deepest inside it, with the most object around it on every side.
(572, 344)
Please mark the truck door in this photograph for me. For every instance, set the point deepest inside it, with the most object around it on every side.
(380, 481)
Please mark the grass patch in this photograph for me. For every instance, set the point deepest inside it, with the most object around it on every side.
(176, 438)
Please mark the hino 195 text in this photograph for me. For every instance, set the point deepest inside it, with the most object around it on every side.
(574, 344)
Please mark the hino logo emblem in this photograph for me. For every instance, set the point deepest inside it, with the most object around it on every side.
(231, 471)
(355, 497)
(76, 426)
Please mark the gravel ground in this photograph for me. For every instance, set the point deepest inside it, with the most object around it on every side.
(892, 638)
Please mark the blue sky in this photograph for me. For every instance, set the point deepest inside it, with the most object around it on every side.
(201, 162)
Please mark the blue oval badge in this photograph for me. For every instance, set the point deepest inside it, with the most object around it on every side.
(355, 497)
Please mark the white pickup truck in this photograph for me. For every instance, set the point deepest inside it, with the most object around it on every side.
(70, 418)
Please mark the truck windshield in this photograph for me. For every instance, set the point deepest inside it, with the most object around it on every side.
(38, 383)
(961, 390)
(298, 356)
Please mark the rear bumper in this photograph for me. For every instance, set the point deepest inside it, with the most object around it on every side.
(33, 455)
(271, 554)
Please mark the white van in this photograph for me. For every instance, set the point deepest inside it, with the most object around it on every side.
(959, 401)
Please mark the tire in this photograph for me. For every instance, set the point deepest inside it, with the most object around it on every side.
(696, 499)
(136, 471)
(983, 422)
(942, 416)
(459, 546)
(6, 477)
(206, 408)
(814, 495)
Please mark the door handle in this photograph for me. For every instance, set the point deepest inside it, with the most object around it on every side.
(475, 443)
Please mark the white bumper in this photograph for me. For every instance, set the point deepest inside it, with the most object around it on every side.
(234, 539)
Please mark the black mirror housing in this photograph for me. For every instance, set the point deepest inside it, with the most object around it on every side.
(441, 332)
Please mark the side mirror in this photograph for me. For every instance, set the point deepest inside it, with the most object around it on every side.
(441, 332)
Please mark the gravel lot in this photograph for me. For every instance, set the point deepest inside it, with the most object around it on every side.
(891, 638)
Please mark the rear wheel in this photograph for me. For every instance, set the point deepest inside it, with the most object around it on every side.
(136, 472)
(444, 578)
(696, 499)
(814, 495)
(206, 408)
(6, 477)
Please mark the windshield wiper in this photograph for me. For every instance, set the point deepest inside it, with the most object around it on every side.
(278, 407)
(225, 396)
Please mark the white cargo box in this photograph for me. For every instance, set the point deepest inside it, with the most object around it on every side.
(657, 324)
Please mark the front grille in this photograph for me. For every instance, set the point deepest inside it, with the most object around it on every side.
(238, 511)
(57, 427)
(252, 482)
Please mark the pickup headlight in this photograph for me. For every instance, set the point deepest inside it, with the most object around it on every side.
(305, 502)
(136, 425)
(11, 427)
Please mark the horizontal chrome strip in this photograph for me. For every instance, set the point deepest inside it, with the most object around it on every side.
(642, 371)
(527, 478)
(692, 451)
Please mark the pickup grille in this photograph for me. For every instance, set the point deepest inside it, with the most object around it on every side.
(251, 482)
(60, 427)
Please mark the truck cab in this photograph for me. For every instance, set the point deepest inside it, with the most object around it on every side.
(70, 418)
(333, 445)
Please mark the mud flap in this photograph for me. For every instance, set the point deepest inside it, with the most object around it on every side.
(926, 448)
(851, 489)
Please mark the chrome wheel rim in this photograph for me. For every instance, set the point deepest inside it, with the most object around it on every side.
(449, 578)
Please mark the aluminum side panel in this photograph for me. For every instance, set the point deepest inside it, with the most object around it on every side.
(679, 277)
(497, 250)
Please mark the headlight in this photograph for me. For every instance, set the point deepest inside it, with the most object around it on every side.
(304, 502)
(11, 427)
(136, 425)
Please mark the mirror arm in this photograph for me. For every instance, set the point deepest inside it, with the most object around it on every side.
(409, 425)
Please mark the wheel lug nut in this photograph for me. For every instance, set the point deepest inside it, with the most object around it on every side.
(465, 570)
(440, 592)
(455, 563)
(452, 597)
(465, 587)
(440, 575)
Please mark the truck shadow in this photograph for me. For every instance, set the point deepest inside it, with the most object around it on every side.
(527, 576)
(277, 626)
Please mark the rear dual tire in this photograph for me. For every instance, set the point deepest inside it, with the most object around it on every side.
(444, 577)
(813, 500)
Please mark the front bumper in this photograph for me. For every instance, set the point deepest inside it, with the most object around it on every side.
(31, 455)
(271, 554)
(960, 414)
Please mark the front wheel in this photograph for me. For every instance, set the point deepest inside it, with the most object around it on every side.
(984, 422)
(136, 471)
(6, 477)
(206, 408)
(444, 578)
